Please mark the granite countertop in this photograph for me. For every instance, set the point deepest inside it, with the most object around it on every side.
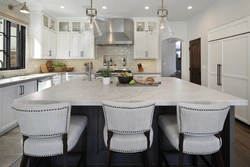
(91, 93)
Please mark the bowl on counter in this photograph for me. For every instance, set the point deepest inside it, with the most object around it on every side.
(69, 69)
(125, 80)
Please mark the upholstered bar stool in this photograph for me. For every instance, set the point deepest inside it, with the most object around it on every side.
(128, 128)
(195, 130)
(50, 130)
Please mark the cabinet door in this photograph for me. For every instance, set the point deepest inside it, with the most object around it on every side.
(8, 119)
(28, 88)
(49, 42)
(89, 45)
(140, 46)
(214, 59)
(235, 76)
(52, 44)
(46, 52)
(152, 46)
(77, 45)
(63, 46)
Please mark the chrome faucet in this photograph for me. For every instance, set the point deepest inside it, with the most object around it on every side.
(90, 68)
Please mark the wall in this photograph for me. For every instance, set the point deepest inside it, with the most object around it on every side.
(180, 31)
(222, 12)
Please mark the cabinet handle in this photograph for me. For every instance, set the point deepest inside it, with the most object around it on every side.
(139, 76)
(219, 74)
(81, 53)
(49, 53)
(69, 53)
(21, 90)
(146, 53)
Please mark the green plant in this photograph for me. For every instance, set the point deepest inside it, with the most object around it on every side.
(106, 73)
(59, 64)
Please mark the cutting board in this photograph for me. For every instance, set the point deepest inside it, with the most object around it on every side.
(44, 68)
(136, 85)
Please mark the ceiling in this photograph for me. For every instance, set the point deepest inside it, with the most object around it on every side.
(123, 8)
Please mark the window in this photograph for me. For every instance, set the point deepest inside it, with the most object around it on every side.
(12, 45)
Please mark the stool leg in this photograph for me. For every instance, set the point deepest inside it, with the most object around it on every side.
(24, 161)
(160, 145)
(219, 159)
(194, 158)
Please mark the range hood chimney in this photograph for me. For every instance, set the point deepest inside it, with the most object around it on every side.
(114, 33)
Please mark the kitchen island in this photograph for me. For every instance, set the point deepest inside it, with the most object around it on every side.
(86, 97)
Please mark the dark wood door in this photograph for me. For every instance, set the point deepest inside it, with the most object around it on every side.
(195, 61)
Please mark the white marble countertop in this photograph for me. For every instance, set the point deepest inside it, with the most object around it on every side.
(92, 93)
(24, 78)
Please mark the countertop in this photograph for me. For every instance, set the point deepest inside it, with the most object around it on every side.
(19, 79)
(91, 93)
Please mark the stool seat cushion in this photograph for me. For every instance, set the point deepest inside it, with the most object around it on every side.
(128, 143)
(195, 145)
(50, 146)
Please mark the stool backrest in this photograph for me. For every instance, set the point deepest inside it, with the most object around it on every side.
(201, 120)
(43, 120)
(128, 117)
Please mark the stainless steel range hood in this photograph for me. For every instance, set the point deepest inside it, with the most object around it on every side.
(114, 33)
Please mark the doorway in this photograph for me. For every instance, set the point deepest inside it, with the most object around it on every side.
(195, 61)
(171, 57)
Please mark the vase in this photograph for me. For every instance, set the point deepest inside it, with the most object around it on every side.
(106, 81)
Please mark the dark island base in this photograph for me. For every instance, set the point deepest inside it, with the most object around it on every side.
(96, 149)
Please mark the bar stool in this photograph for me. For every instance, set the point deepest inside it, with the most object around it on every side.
(195, 130)
(128, 128)
(50, 130)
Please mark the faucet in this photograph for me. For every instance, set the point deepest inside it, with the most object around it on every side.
(90, 68)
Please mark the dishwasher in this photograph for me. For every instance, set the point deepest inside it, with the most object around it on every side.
(44, 83)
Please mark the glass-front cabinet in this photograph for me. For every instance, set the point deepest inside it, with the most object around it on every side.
(145, 26)
(146, 38)
(69, 26)
(49, 22)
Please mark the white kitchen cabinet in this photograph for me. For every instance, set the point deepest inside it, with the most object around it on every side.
(146, 39)
(228, 64)
(63, 46)
(72, 42)
(42, 35)
(7, 95)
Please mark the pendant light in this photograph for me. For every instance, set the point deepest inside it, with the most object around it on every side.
(163, 22)
(91, 21)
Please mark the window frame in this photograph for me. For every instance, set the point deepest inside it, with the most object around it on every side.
(20, 46)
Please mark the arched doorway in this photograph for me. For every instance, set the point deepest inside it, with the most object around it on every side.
(171, 53)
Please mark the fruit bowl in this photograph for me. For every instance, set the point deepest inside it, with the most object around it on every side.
(125, 80)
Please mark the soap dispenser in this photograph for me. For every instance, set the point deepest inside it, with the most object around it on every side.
(124, 62)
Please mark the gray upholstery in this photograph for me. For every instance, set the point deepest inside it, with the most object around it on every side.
(128, 121)
(45, 124)
(198, 123)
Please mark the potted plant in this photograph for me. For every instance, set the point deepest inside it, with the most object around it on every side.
(59, 66)
(106, 74)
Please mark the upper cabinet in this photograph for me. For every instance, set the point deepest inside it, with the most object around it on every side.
(73, 42)
(42, 35)
(146, 38)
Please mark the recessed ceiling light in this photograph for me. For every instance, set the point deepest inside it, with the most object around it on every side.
(62, 7)
(104, 7)
(190, 7)
(147, 7)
